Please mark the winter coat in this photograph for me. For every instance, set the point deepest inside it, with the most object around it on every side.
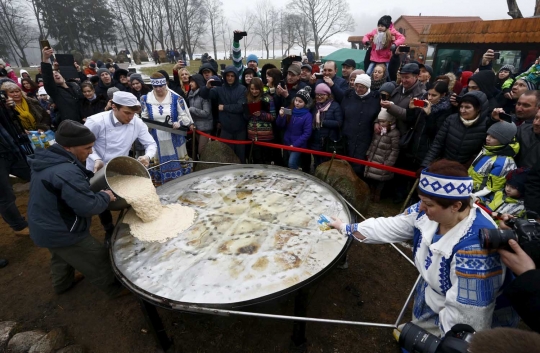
(101, 89)
(384, 149)
(524, 295)
(90, 71)
(200, 109)
(529, 142)
(89, 108)
(426, 129)
(359, 114)
(61, 203)
(43, 119)
(260, 127)
(457, 142)
(532, 189)
(331, 122)
(207, 66)
(339, 88)
(298, 129)
(503, 204)
(401, 102)
(232, 97)
(383, 55)
(485, 80)
(66, 100)
(287, 102)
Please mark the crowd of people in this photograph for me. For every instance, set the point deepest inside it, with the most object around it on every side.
(471, 137)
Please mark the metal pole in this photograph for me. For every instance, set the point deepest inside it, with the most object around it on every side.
(409, 196)
(330, 166)
(193, 143)
(408, 301)
(202, 310)
(202, 162)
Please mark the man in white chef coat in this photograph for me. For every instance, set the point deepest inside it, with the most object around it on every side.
(116, 131)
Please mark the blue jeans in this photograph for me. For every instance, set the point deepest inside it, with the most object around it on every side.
(293, 159)
(372, 67)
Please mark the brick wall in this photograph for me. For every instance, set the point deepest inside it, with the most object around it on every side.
(413, 39)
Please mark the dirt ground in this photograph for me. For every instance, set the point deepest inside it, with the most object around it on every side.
(372, 289)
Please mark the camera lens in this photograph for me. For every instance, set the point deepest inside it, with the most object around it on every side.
(496, 238)
(415, 339)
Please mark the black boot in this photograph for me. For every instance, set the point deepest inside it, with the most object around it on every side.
(3, 263)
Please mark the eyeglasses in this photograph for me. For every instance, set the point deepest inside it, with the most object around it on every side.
(320, 95)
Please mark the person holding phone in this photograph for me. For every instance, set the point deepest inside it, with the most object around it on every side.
(381, 40)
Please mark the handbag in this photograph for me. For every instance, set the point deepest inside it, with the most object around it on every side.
(405, 139)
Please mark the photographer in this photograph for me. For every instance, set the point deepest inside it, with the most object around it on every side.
(524, 291)
(460, 280)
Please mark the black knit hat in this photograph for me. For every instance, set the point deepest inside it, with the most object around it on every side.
(385, 21)
(71, 134)
(517, 179)
(304, 94)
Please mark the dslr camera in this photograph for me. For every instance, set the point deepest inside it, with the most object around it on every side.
(523, 231)
(417, 340)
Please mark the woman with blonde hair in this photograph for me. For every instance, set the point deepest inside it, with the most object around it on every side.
(378, 77)
(30, 113)
(163, 105)
(382, 38)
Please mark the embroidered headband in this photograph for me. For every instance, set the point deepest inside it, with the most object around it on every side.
(448, 187)
(158, 81)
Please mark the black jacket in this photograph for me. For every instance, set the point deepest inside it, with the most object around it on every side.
(232, 97)
(532, 190)
(529, 146)
(67, 100)
(331, 122)
(89, 108)
(524, 294)
(101, 89)
(61, 203)
(457, 142)
(485, 80)
(359, 114)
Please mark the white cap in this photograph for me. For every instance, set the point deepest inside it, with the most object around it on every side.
(126, 99)
(364, 80)
(41, 91)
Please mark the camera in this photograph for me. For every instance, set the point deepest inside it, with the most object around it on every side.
(523, 231)
(415, 339)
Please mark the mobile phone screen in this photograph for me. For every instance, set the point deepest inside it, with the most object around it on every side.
(44, 44)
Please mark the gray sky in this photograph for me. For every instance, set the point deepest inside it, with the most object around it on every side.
(367, 12)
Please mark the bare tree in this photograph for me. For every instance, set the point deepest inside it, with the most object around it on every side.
(227, 40)
(15, 29)
(214, 8)
(304, 32)
(326, 18)
(193, 18)
(264, 24)
(513, 9)
(247, 22)
(288, 31)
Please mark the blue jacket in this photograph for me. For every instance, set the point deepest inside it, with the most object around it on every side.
(61, 203)
(232, 97)
(298, 130)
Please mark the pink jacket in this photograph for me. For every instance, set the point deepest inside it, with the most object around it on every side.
(12, 76)
(384, 55)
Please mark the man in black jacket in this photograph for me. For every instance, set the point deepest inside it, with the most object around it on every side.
(230, 97)
(106, 81)
(65, 95)
(61, 207)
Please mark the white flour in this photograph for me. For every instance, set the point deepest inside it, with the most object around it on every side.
(148, 220)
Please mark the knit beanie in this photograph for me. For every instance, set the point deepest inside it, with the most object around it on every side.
(102, 70)
(364, 80)
(136, 77)
(388, 87)
(531, 86)
(72, 133)
(517, 179)
(508, 67)
(304, 94)
(252, 57)
(503, 131)
(322, 88)
(385, 21)
(385, 116)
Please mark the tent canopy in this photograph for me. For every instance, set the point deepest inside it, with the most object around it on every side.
(340, 55)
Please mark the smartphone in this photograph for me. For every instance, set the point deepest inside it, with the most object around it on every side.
(419, 103)
(287, 111)
(243, 34)
(319, 76)
(282, 84)
(505, 117)
(405, 49)
(497, 55)
(385, 96)
(215, 83)
(44, 44)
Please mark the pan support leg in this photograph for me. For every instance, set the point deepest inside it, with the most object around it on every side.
(298, 338)
(156, 326)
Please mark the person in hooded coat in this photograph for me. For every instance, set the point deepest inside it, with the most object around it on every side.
(200, 109)
(484, 81)
(230, 97)
(462, 135)
(105, 82)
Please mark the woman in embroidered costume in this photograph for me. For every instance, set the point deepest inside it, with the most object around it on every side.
(461, 282)
(158, 105)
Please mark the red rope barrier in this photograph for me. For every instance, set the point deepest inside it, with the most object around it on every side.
(319, 153)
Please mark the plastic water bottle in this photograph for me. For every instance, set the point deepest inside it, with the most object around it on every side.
(44, 140)
(35, 141)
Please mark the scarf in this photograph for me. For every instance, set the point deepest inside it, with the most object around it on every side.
(442, 104)
(362, 96)
(469, 123)
(297, 112)
(93, 98)
(509, 150)
(321, 108)
(27, 119)
(379, 40)
(375, 85)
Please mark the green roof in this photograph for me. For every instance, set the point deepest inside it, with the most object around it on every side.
(340, 55)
